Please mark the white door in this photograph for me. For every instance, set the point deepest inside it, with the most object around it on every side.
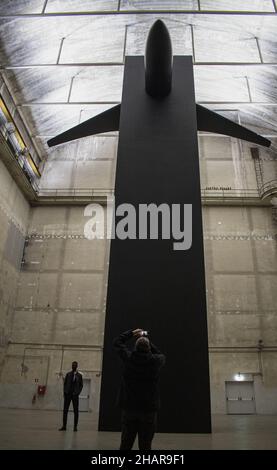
(240, 398)
(84, 396)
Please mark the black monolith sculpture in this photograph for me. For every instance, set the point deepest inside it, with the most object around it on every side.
(151, 285)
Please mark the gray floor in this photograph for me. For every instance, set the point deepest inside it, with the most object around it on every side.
(34, 429)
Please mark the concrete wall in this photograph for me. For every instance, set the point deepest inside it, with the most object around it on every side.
(241, 270)
(224, 162)
(87, 164)
(14, 212)
(60, 307)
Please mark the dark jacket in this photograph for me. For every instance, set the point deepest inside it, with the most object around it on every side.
(70, 387)
(139, 388)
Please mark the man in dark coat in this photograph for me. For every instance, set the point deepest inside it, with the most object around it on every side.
(72, 387)
(139, 394)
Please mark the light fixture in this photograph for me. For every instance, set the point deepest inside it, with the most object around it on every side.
(239, 377)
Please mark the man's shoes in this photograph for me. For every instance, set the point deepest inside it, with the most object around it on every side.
(62, 428)
(75, 429)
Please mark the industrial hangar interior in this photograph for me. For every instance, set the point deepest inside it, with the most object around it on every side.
(62, 62)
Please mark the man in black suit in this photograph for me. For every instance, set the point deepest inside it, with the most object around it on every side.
(139, 394)
(73, 384)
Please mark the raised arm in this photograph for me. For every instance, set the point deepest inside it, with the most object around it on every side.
(154, 349)
(157, 354)
(119, 344)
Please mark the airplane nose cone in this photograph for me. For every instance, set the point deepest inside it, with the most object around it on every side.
(158, 25)
(158, 61)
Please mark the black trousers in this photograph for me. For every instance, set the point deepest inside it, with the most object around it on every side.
(75, 401)
(141, 423)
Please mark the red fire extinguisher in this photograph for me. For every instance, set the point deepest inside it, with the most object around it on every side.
(41, 389)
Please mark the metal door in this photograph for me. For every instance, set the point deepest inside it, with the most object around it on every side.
(240, 398)
(84, 396)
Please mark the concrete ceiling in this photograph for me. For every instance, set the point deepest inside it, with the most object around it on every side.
(63, 60)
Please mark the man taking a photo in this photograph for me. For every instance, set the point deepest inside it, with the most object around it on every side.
(139, 394)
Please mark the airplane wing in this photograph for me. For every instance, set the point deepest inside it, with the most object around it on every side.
(206, 121)
(212, 122)
(104, 122)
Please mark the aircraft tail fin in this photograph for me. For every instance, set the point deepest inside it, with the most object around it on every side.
(212, 122)
(104, 122)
